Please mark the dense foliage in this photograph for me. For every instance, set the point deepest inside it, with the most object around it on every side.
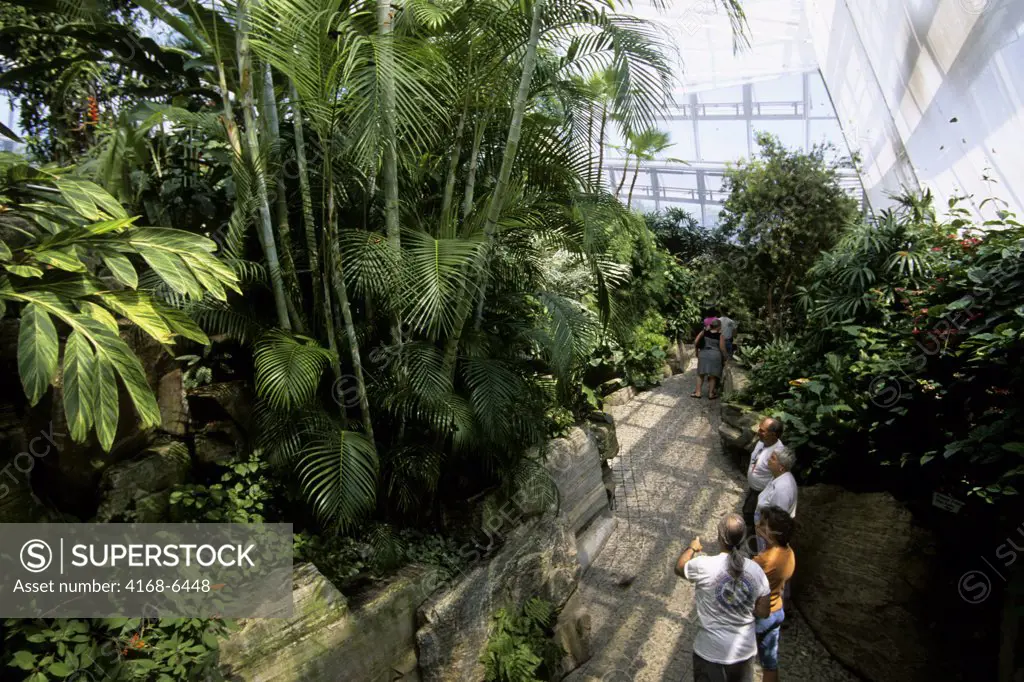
(784, 208)
(909, 371)
(390, 219)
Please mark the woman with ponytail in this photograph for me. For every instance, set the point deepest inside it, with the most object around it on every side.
(731, 590)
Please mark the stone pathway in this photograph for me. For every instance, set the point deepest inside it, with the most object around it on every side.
(672, 482)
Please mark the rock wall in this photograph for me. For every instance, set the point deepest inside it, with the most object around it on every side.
(331, 638)
(422, 625)
(538, 560)
(865, 584)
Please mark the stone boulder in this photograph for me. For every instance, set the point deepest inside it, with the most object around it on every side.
(129, 485)
(221, 401)
(573, 634)
(602, 427)
(219, 443)
(738, 431)
(620, 397)
(170, 396)
(538, 560)
(864, 580)
(678, 357)
(369, 637)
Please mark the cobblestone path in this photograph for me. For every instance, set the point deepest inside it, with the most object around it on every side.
(672, 481)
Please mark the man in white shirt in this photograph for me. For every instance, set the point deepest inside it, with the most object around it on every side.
(730, 591)
(769, 433)
(781, 491)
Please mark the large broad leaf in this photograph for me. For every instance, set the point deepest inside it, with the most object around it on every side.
(121, 268)
(79, 385)
(100, 314)
(5, 251)
(105, 406)
(111, 347)
(173, 271)
(60, 259)
(38, 348)
(78, 199)
(86, 197)
(141, 309)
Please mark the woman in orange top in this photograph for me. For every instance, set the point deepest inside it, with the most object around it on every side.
(778, 562)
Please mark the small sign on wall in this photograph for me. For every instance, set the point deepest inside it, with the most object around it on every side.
(946, 502)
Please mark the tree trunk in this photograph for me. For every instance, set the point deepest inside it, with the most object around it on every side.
(515, 129)
(600, 143)
(636, 172)
(453, 165)
(474, 163)
(391, 207)
(252, 137)
(625, 170)
(289, 272)
(321, 301)
(338, 280)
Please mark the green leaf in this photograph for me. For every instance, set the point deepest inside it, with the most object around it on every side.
(38, 348)
(5, 251)
(78, 199)
(60, 260)
(110, 346)
(140, 308)
(60, 669)
(95, 195)
(79, 385)
(122, 269)
(181, 323)
(105, 403)
(25, 660)
(105, 226)
(100, 314)
(24, 270)
(173, 270)
(1014, 447)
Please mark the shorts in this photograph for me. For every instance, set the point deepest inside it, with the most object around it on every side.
(768, 639)
(706, 671)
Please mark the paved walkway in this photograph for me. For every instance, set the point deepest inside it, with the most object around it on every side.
(672, 481)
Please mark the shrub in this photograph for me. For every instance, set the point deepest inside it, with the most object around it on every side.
(114, 649)
(239, 497)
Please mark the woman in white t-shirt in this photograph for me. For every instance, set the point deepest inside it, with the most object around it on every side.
(730, 591)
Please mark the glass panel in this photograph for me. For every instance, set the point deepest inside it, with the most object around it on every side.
(722, 140)
(821, 105)
(791, 133)
(785, 89)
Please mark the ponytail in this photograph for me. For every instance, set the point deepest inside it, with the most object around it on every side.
(732, 535)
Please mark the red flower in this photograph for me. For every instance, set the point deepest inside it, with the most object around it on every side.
(936, 248)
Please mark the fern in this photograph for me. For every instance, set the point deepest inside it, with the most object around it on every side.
(521, 648)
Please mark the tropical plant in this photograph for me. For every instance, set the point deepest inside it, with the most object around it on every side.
(70, 253)
(520, 647)
(117, 649)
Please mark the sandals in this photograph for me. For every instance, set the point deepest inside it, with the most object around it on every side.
(698, 396)
(713, 397)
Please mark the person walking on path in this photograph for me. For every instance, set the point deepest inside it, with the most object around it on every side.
(769, 434)
(710, 347)
(728, 330)
(731, 591)
(779, 563)
(781, 491)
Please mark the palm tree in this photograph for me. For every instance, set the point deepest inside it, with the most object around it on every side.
(644, 146)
